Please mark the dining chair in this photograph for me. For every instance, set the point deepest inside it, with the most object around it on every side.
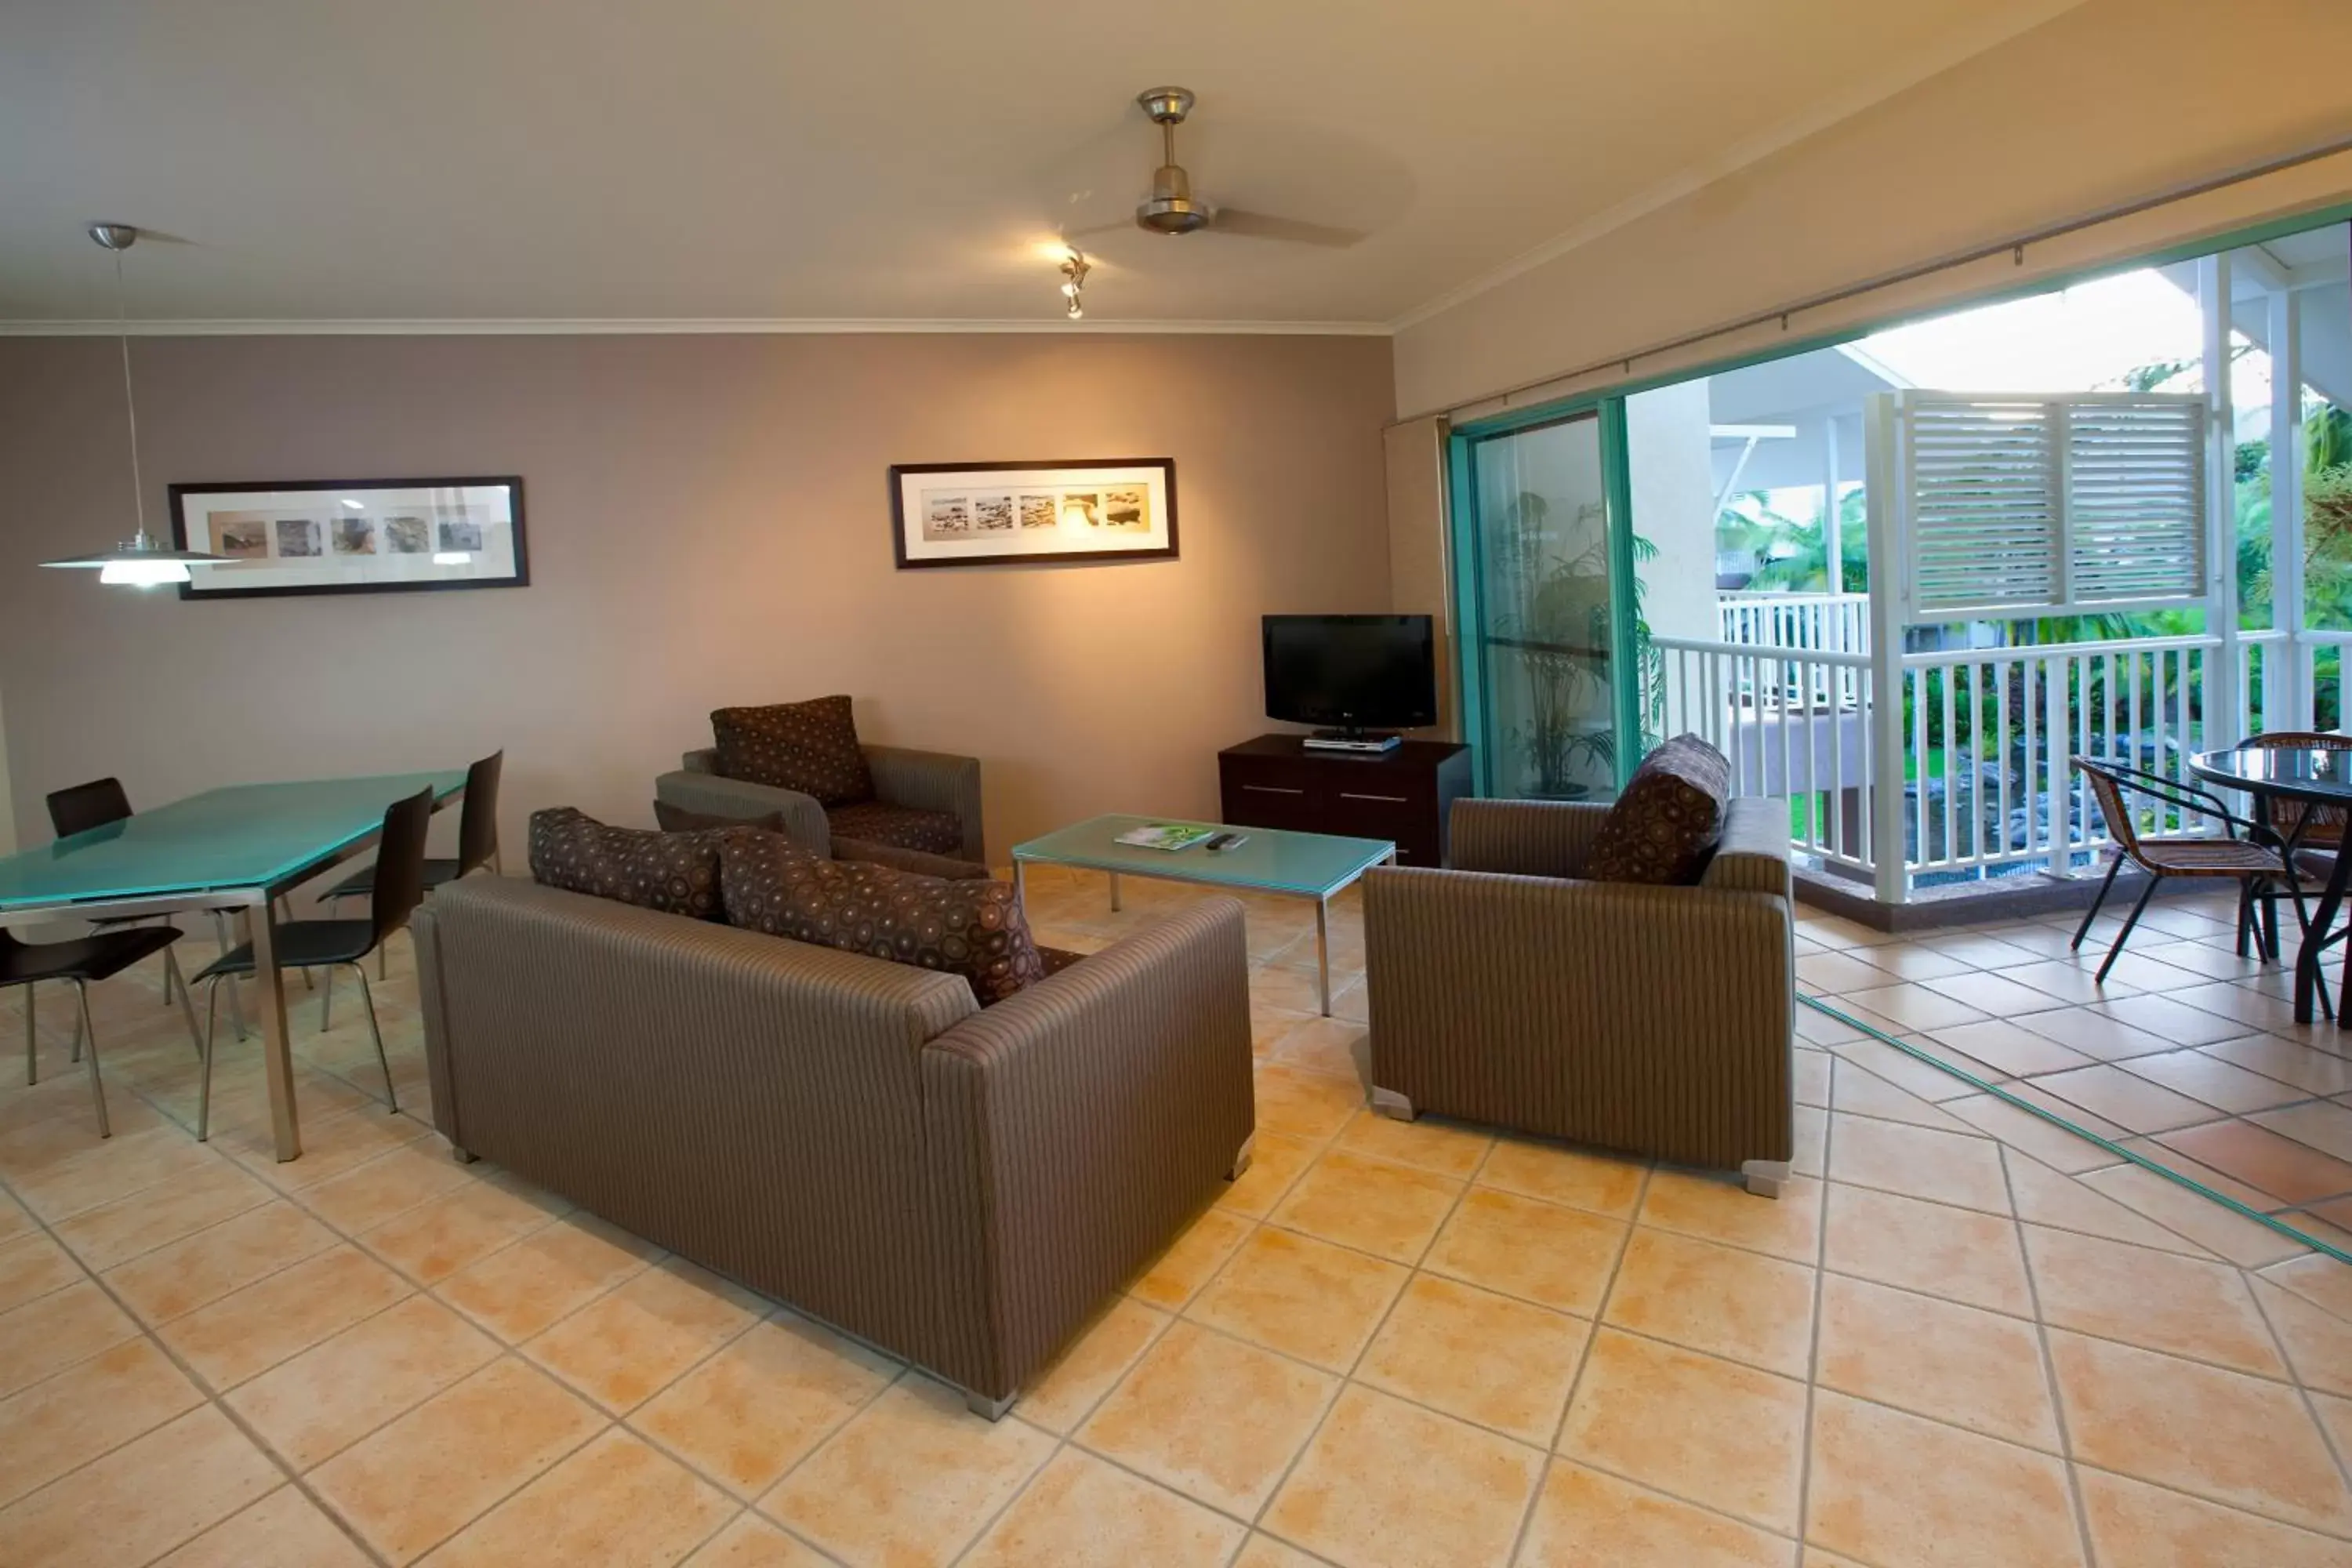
(398, 889)
(2261, 869)
(101, 803)
(477, 845)
(100, 955)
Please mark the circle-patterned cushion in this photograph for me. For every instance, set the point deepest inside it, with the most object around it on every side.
(973, 927)
(676, 873)
(811, 747)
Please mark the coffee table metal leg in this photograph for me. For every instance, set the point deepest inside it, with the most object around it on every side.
(1114, 892)
(1019, 890)
(1323, 953)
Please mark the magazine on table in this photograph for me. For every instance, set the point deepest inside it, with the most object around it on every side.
(1167, 835)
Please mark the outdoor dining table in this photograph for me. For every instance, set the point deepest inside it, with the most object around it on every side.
(234, 849)
(2314, 777)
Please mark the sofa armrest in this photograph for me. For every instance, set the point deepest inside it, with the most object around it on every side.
(932, 780)
(716, 797)
(1074, 1128)
(705, 760)
(1523, 837)
(1753, 855)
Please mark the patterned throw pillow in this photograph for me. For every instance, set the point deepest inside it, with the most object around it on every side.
(1665, 824)
(973, 928)
(676, 873)
(811, 747)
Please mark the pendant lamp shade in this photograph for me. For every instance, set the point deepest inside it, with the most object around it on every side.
(141, 561)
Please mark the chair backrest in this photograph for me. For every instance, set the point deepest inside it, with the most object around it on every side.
(478, 822)
(400, 862)
(83, 806)
(2108, 788)
(2306, 826)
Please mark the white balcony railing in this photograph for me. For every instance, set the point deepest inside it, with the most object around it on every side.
(1986, 734)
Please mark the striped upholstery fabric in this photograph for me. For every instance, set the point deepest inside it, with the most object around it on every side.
(1656, 1020)
(845, 1134)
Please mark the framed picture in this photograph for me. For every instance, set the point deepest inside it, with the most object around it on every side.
(352, 536)
(1008, 514)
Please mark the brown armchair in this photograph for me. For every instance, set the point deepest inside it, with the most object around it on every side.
(930, 784)
(1653, 1019)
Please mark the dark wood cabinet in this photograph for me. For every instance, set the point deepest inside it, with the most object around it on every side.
(1403, 795)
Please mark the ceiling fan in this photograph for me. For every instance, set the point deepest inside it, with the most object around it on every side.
(1173, 210)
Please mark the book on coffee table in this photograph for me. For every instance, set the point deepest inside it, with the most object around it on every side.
(1167, 835)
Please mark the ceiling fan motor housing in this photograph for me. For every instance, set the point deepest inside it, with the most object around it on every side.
(1171, 209)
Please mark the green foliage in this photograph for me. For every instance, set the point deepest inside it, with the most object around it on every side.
(1794, 552)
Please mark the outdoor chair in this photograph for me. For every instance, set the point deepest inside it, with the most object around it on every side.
(2243, 853)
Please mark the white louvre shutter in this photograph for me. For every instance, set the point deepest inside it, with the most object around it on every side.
(2017, 506)
(1983, 504)
(2135, 500)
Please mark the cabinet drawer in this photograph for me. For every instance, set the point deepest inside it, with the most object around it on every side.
(1252, 803)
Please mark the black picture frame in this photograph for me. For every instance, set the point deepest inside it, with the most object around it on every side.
(900, 472)
(510, 483)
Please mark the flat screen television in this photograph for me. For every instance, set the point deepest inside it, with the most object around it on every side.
(1351, 673)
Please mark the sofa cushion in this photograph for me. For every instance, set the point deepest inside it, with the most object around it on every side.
(1665, 824)
(680, 819)
(921, 862)
(901, 826)
(676, 873)
(971, 928)
(811, 747)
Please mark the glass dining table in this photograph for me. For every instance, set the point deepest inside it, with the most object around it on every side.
(234, 849)
(2312, 777)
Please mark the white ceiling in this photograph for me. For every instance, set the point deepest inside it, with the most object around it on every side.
(879, 160)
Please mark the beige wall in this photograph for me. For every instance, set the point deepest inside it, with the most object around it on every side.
(1420, 580)
(708, 523)
(2108, 103)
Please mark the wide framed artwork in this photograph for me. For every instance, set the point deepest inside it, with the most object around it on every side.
(1011, 514)
(352, 536)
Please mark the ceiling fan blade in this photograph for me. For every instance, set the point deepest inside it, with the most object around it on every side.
(1294, 231)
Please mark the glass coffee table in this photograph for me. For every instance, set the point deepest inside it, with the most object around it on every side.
(1315, 866)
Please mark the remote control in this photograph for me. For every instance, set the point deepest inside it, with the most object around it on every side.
(1227, 841)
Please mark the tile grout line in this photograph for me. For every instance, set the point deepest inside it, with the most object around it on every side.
(1813, 1357)
(2050, 1382)
(2303, 1392)
(210, 1396)
(1552, 1453)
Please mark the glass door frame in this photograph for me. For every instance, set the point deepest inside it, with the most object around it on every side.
(1470, 575)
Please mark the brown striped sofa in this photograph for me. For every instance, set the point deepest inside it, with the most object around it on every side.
(857, 1138)
(1651, 1019)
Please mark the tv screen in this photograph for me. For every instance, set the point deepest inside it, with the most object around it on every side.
(1352, 672)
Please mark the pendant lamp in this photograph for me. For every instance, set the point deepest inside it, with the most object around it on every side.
(141, 561)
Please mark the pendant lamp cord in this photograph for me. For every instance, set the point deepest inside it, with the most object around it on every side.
(129, 403)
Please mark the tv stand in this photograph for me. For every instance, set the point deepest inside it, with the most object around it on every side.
(1403, 793)
(1373, 742)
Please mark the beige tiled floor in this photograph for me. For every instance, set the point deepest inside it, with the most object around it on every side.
(1961, 1338)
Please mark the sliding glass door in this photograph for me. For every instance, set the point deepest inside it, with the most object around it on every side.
(1539, 574)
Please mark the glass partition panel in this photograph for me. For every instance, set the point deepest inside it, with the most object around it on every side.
(1545, 725)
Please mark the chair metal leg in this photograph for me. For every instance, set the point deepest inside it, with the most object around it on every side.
(32, 1047)
(205, 1091)
(392, 1097)
(2124, 935)
(96, 1089)
(327, 1000)
(76, 1056)
(2093, 912)
(188, 1012)
(235, 998)
(171, 976)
